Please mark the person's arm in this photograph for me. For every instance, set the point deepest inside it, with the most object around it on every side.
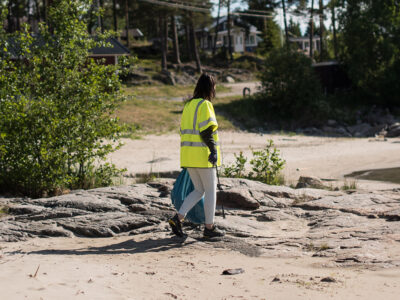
(206, 136)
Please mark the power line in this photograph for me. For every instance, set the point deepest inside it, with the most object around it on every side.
(193, 3)
(177, 5)
(258, 11)
(251, 15)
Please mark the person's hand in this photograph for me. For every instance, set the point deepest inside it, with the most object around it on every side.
(213, 158)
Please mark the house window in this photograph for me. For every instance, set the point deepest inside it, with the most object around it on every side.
(307, 45)
(252, 41)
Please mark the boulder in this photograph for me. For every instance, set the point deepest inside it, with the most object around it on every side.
(228, 79)
(393, 130)
(165, 77)
(310, 182)
(360, 130)
(237, 198)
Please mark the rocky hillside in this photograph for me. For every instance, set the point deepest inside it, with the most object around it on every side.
(351, 228)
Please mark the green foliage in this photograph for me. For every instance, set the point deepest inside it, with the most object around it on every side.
(271, 35)
(237, 169)
(370, 39)
(57, 106)
(266, 166)
(290, 87)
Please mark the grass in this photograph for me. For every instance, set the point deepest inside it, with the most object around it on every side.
(161, 91)
(3, 211)
(142, 117)
(349, 185)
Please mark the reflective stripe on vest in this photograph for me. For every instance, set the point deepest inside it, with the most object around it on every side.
(196, 144)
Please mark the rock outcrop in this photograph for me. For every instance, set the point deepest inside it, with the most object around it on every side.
(349, 229)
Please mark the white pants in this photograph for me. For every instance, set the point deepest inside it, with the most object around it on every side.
(205, 184)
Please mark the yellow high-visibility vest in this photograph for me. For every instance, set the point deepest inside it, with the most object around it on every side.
(197, 116)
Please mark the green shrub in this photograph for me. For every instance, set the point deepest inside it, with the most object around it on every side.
(290, 87)
(237, 169)
(266, 166)
(57, 106)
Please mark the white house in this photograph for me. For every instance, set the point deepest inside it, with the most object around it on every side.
(304, 43)
(244, 36)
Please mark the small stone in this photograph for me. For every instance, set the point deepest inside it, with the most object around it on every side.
(328, 279)
(276, 279)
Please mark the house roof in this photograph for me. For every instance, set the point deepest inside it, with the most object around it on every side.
(116, 48)
(223, 19)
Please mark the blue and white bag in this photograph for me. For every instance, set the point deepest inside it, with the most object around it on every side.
(183, 186)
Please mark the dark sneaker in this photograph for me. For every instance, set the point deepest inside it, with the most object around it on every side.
(215, 232)
(176, 226)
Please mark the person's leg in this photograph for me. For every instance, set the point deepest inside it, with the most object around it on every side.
(209, 179)
(195, 195)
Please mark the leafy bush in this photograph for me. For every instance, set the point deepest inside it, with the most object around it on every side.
(266, 166)
(370, 43)
(237, 169)
(57, 106)
(290, 87)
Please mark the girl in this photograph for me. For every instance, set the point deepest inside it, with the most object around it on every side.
(200, 153)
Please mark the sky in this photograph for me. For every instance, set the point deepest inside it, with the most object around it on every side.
(278, 18)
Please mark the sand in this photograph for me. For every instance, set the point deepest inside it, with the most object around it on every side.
(323, 157)
(141, 268)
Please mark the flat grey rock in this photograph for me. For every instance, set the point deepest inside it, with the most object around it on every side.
(273, 221)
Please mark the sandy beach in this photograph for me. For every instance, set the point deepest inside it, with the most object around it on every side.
(146, 266)
(142, 268)
(323, 157)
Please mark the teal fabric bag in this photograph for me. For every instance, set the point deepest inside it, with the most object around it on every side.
(183, 186)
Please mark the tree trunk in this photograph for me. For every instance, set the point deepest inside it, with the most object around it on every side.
(335, 51)
(127, 22)
(10, 21)
(216, 29)
(164, 40)
(189, 51)
(45, 10)
(175, 41)
(321, 28)
(311, 29)
(285, 23)
(115, 15)
(194, 46)
(37, 11)
(17, 16)
(100, 17)
(229, 31)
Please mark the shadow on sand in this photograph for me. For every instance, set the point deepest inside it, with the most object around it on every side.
(126, 247)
